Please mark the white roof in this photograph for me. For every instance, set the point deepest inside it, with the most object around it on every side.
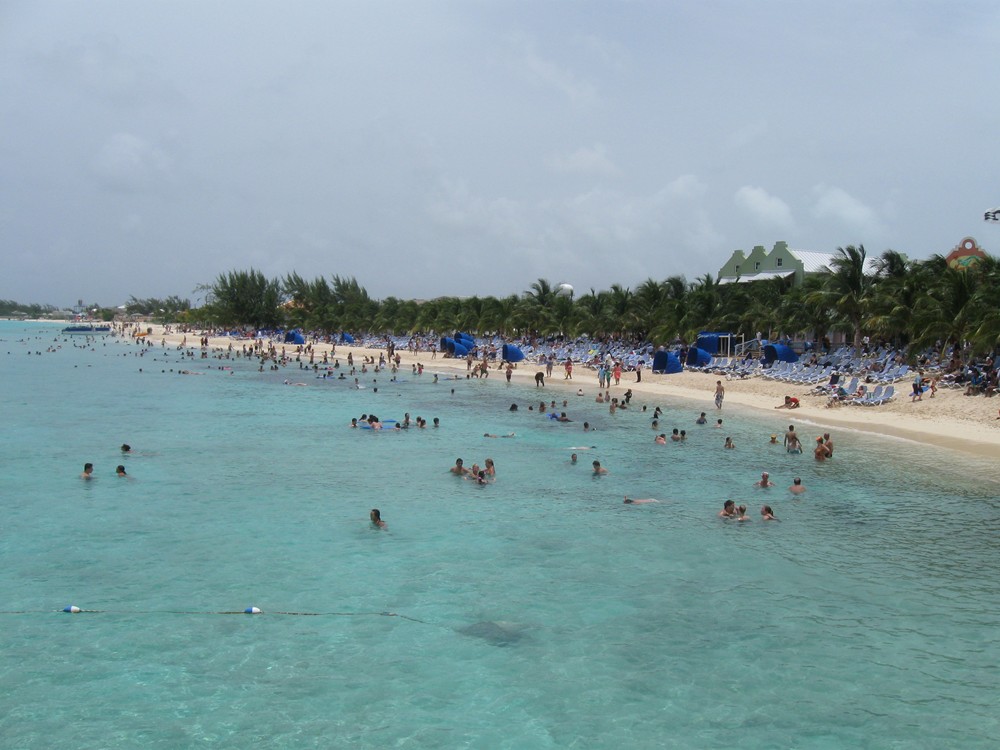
(814, 261)
(756, 277)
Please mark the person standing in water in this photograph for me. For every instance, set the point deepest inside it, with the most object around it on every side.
(376, 517)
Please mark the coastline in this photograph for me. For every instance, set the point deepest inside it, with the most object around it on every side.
(950, 420)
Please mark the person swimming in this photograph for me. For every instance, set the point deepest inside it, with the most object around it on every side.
(767, 514)
(120, 471)
(765, 481)
(376, 517)
(728, 509)
(639, 501)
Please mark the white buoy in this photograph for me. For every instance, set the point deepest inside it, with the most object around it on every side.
(72, 608)
(252, 611)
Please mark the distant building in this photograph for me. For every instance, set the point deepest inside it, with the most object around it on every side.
(781, 263)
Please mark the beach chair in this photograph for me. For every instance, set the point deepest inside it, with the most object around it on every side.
(870, 398)
(886, 396)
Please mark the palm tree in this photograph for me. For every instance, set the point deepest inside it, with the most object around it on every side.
(954, 308)
(847, 289)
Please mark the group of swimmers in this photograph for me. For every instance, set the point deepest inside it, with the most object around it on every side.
(480, 475)
(88, 468)
(372, 422)
(731, 511)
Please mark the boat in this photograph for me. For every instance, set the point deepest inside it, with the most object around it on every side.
(88, 330)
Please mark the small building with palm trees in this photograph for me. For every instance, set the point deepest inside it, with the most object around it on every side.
(781, 262)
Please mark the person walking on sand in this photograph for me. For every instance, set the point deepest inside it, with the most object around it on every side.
(918, 387)
(720, 394)
(569, 369)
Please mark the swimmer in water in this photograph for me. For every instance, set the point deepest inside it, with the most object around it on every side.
(728, 509)
(598, 469)
(639, 501)
(120, 471)
(742, 513)
(572, 459)
(126, 448)
(459, 468)
(376, 517)
(797, 488)
(88, 471)
(661, 439)
(765, 481)
(766, 513)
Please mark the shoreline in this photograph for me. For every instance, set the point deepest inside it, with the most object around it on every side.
(950, 420)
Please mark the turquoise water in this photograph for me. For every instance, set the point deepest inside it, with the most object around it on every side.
(537, 612)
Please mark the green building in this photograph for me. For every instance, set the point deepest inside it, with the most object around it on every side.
(782, 262)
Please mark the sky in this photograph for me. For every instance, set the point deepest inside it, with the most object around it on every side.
(474, 147)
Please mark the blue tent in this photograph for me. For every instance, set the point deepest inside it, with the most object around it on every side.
(346, 338)
(709, 341)
(667, 362)
(511, 353)
(698, 357)
(459, 350)
(779, 352)
(448, 345)
(294, 337)
(463, 337)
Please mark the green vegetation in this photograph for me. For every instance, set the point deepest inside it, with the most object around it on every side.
(904, 302)
(11, 309)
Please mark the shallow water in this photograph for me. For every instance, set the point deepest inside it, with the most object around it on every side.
(536, 612)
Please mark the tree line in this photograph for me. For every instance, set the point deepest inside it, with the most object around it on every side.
(904, 302)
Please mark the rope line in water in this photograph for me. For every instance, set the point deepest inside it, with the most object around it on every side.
(73, 609)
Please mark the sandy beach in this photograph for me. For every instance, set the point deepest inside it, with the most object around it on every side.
(949, 420)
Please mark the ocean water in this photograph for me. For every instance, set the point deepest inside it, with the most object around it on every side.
(536, 612)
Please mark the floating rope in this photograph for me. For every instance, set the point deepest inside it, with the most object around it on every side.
(75, 610)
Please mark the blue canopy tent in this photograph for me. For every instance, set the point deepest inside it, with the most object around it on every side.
(464, 337)
(346, 338)
(779, 352)
(708, 341)
(459, 350)
(511, 353)
(698, 357)
(667, 362)
(294, 337)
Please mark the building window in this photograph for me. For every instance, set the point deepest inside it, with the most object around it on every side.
(779, 262)
(756, 265)
(737, 269)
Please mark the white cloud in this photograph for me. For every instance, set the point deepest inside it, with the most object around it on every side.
(555, 76)
(835, 203)
(765, 209)
(128, 162)
(592, 161)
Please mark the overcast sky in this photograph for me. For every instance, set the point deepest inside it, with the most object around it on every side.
(459, 148)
